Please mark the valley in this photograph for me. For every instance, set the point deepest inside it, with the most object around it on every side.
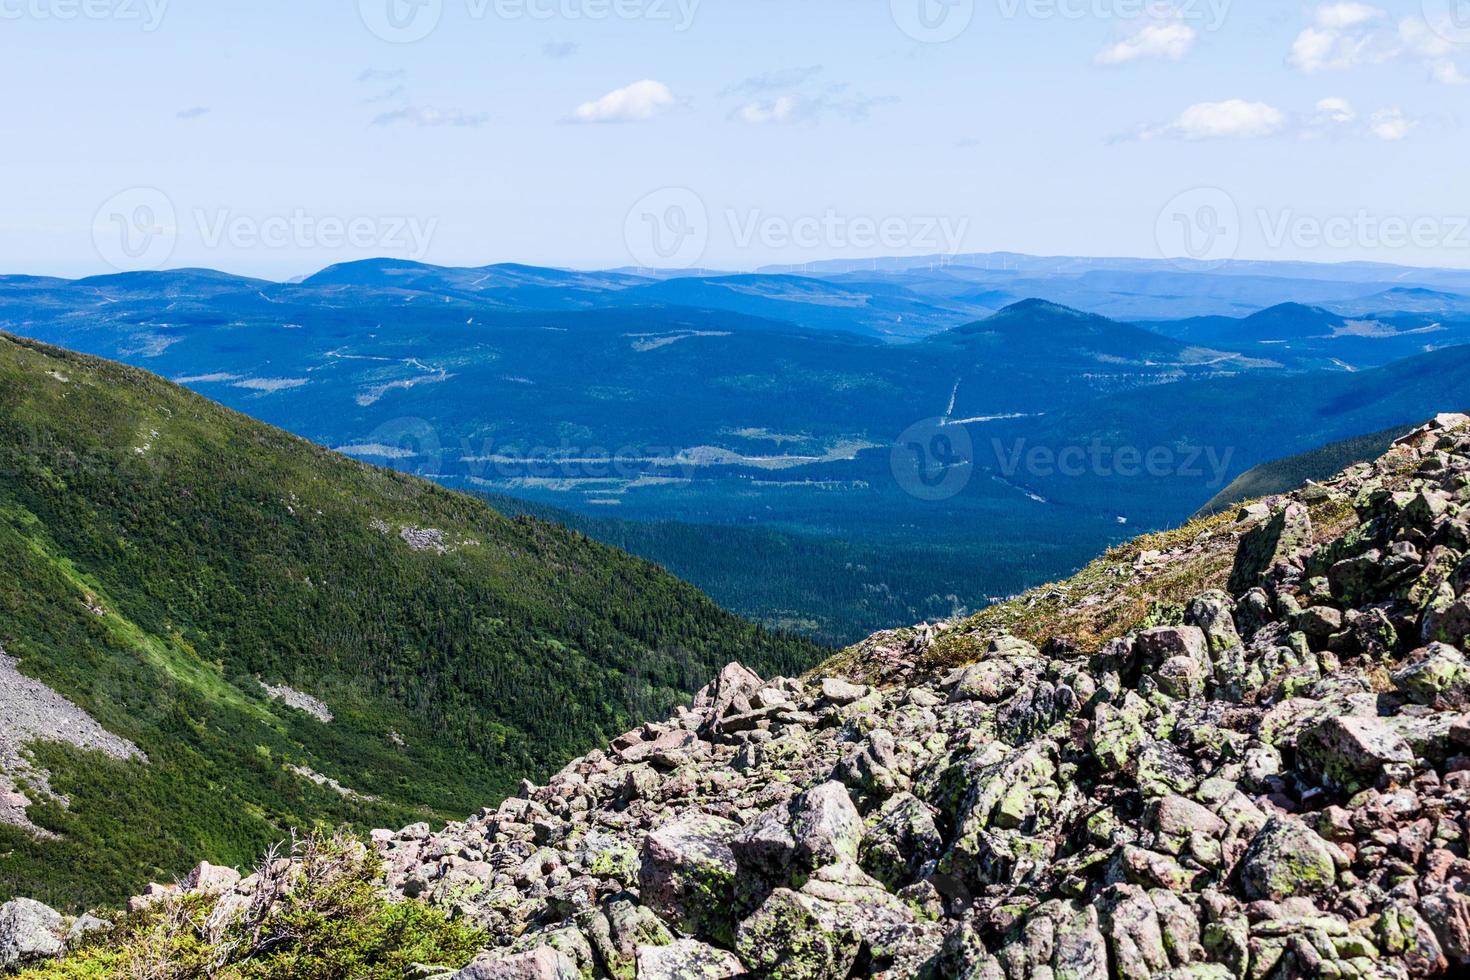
(864, 477)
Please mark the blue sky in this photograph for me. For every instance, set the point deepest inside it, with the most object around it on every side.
(273, 138)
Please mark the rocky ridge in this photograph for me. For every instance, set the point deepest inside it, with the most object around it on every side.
(1266, 776)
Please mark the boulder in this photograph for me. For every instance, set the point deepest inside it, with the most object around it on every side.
(1437, 676)
(688, 875)
(838, 691)
(1349, 752)
(826, 826)
(901, 840)
(1212, 613)
(210, 879)
(1319, 622)
(788, 938)
(1287, 859)
(1182, 678)
(1277, 540)
(542, 963)
(618, 930)
(686, 959)
(728, 693)
(29, 933)
(766, 845)
(1160, 644)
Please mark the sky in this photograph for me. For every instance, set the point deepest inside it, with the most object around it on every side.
(276, 137)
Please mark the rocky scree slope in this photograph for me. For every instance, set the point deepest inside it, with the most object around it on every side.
(1240, 750)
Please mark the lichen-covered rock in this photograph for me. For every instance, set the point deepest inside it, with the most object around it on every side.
(687, 959)
(1277, 540)
(1350, 752)
(543, 963)
(1437, 676)
(1287, 859)
(688, 875)
(826, 826)
(1403, 933)
(618, 930)
(902, 839)
(1212, 614)
(788, 939)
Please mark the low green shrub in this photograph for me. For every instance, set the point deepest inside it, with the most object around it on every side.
(320, 914)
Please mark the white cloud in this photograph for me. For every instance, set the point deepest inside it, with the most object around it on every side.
(1431, 44)
(1233, 119)
(429, 117)
(1336, 117)
(1341, 16)
(1390, 125)
(1448, 73)
(810, 108)
(780, 109)
(1332, 117)
(1346, 35)
(1168, 40)
(1317, 49)
(641, 100)
(1337, 111)
(773, 81)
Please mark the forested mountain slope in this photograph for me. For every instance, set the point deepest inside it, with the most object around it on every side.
(165, 557)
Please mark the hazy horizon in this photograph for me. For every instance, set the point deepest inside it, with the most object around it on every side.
(272, 138)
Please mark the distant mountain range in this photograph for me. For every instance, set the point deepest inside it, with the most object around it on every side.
(894, 432)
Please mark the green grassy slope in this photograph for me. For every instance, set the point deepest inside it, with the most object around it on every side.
(1283, 475)
(160, 552)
